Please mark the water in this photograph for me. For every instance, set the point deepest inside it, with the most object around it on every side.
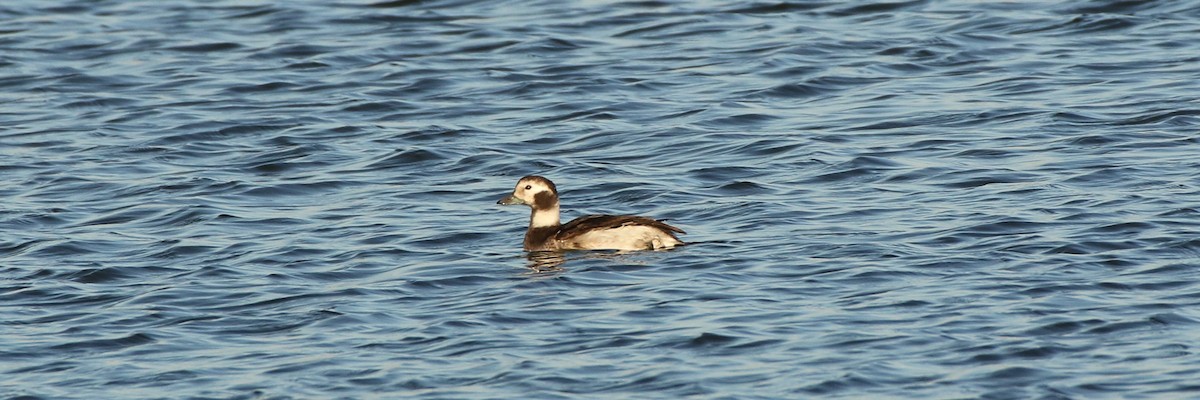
(925, 199)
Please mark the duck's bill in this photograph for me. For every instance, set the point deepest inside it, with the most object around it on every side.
(510, 201)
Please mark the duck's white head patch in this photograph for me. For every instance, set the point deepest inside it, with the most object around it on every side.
(534, 191)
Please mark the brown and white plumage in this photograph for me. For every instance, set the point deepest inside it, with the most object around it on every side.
(589, 232)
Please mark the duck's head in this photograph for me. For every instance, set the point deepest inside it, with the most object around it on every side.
(534, 191)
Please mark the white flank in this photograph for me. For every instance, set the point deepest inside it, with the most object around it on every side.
(630, 237)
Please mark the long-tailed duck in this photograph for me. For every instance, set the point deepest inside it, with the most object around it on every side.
(589, 232)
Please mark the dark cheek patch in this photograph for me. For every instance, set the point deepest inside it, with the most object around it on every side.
(544, 200)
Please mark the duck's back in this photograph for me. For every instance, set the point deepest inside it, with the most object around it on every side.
(617, 232)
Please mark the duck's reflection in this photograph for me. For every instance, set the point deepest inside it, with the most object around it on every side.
(552, 261)
(546, 261)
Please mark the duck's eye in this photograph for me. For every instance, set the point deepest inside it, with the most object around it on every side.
(527, 187)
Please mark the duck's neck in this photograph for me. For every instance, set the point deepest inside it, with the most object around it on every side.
(543, 225)
(544, 218)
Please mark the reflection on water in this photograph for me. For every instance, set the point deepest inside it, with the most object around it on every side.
(546, 261)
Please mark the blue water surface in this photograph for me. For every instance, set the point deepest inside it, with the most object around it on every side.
(902, 199)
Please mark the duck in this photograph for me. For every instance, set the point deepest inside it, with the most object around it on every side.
(589, 232)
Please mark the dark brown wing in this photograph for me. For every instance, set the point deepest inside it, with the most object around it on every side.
(587, 223)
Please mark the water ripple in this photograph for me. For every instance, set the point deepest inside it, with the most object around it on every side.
(939, 199)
